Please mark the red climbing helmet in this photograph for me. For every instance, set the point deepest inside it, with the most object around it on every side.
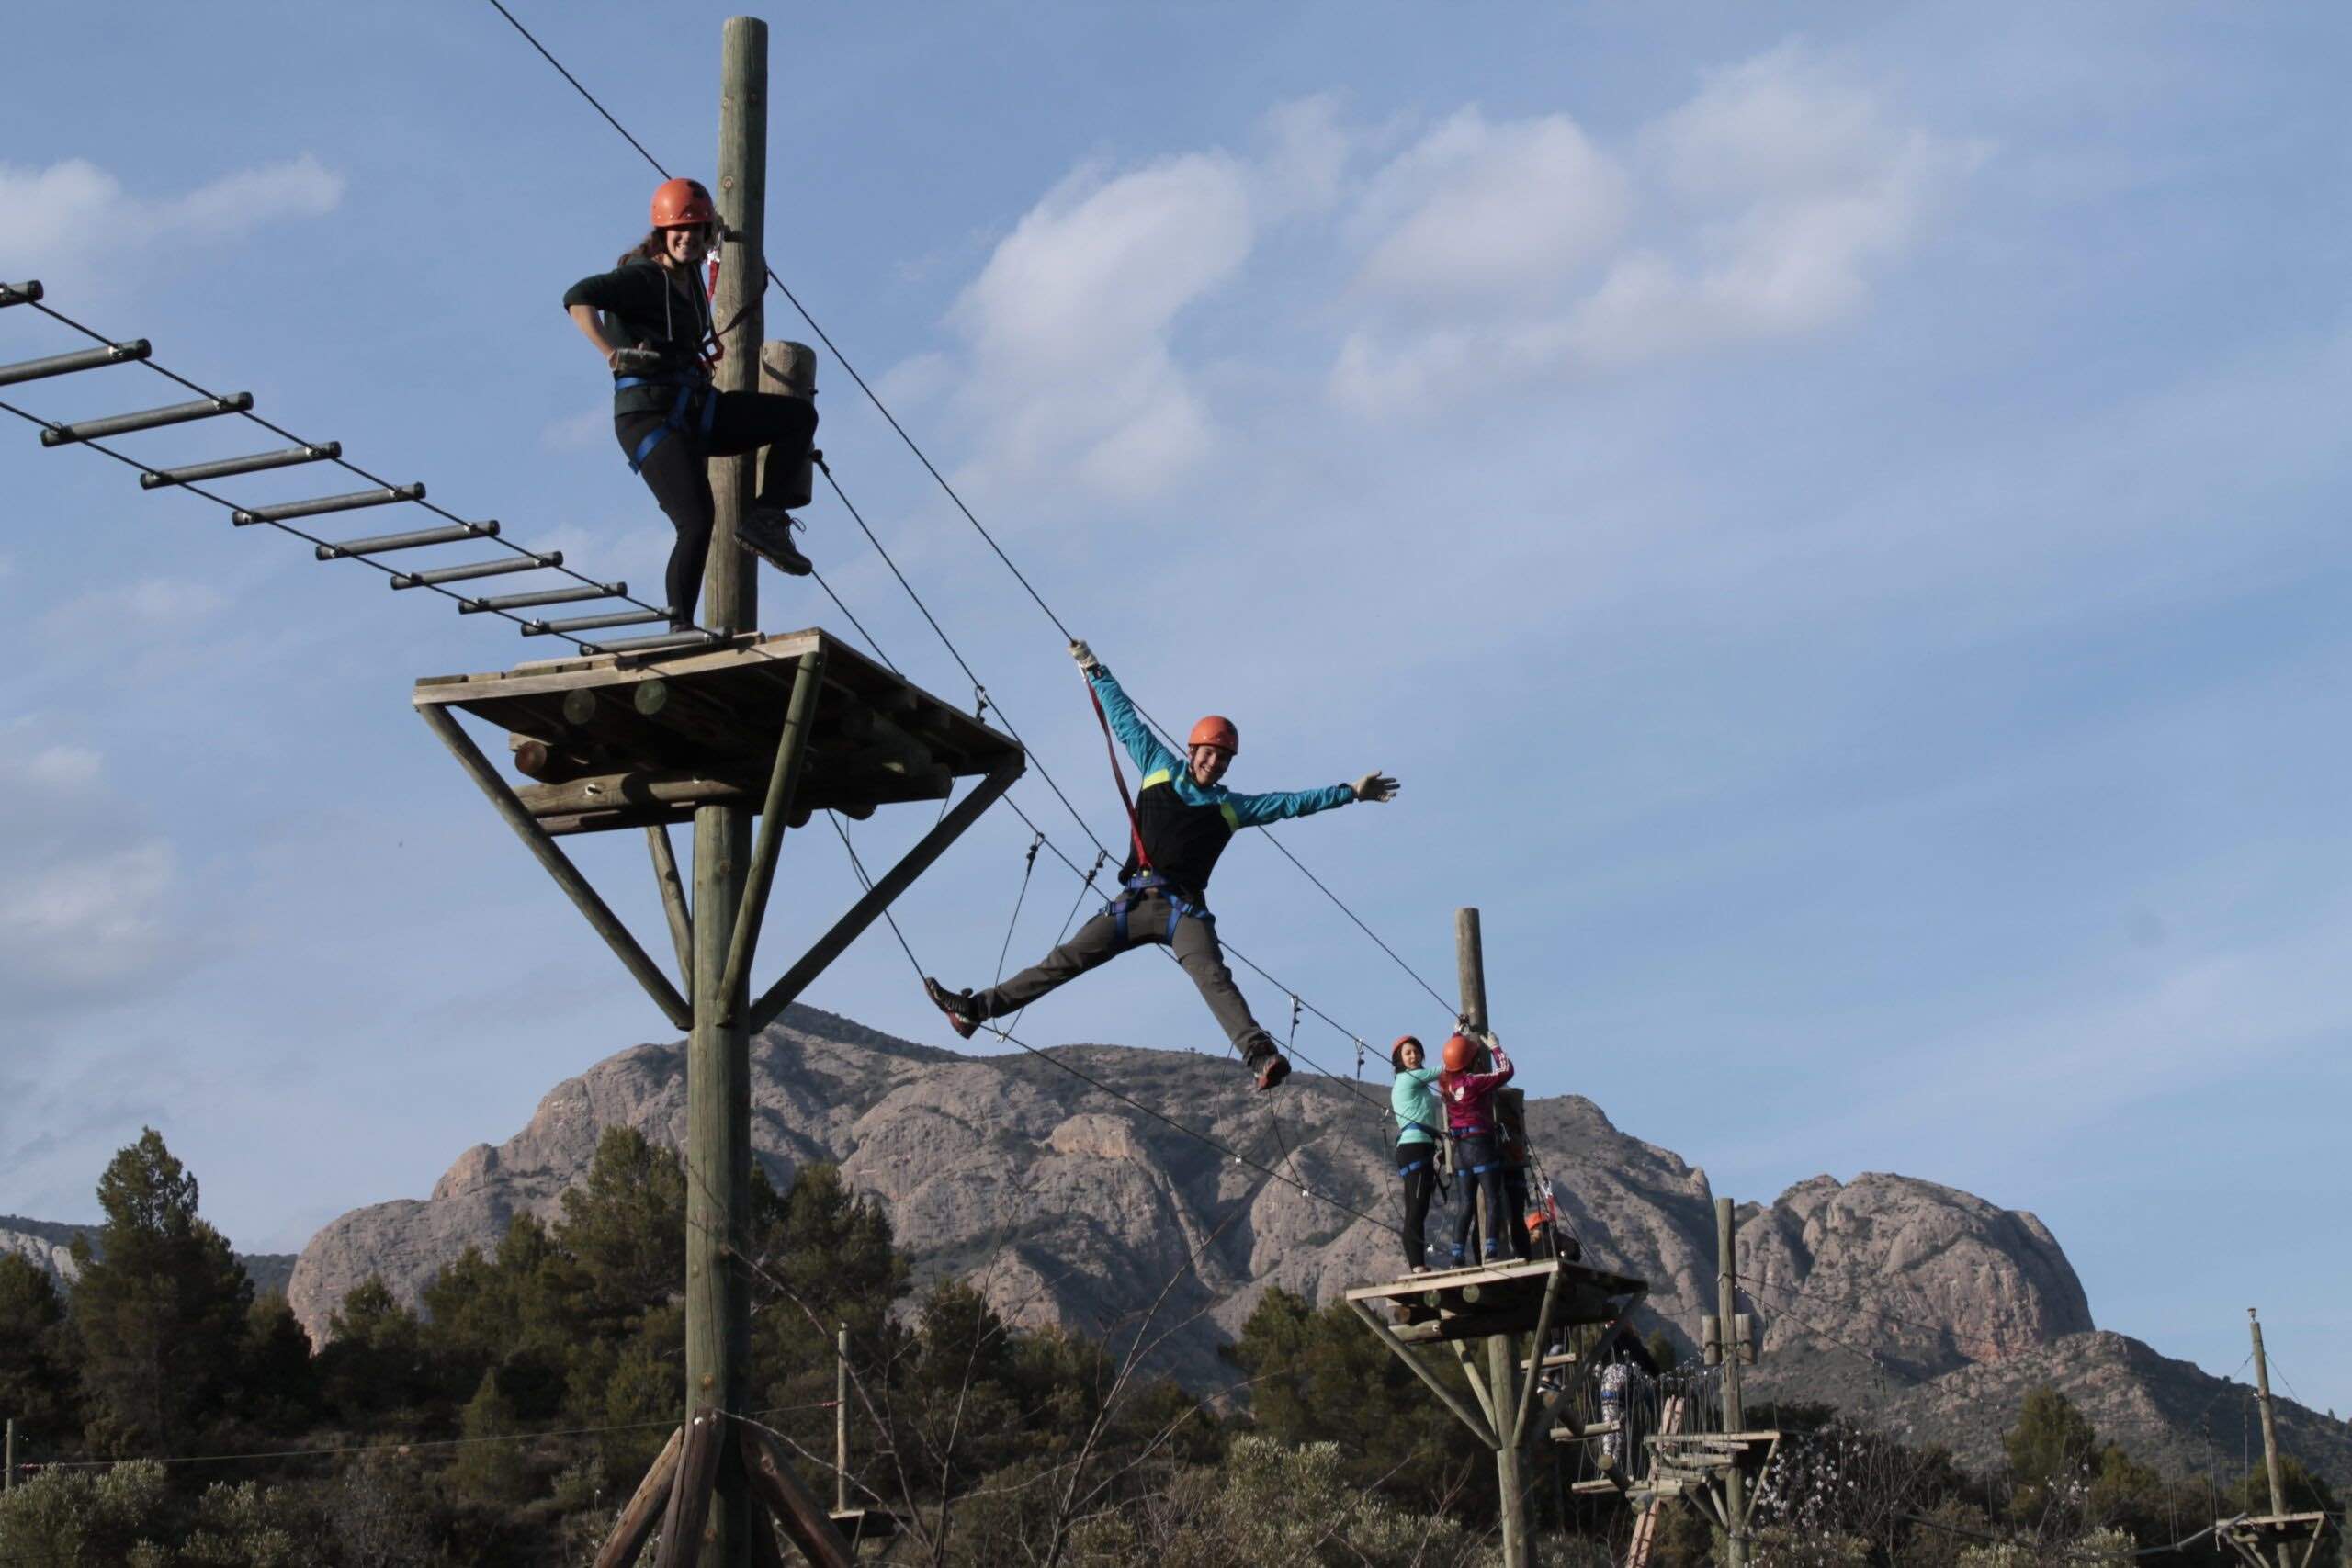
(1217, 730)
(1396, 1051)
(682, 204)
(1459, 1052)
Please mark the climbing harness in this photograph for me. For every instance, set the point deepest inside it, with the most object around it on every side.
(678, 419)
(1142, 886)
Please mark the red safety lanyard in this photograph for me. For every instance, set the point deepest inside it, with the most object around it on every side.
(1118, 775)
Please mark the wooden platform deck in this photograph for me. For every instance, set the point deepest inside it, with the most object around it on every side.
(1469, 1303)
(616, 740)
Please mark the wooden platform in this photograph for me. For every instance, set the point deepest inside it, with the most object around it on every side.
(619, 740)
(1469, 1303)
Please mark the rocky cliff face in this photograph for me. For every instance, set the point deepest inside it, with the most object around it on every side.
(1067, 1207)
(49, 1247)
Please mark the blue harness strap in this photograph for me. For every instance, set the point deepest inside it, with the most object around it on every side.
(1149, 882)
(1408, 1169)
(675, 422)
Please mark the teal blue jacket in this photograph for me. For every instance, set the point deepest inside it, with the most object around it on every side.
(1414, 1105)
(1159, 765)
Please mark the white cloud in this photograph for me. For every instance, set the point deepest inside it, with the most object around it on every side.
(72, 210)
(81, 913)
(1070, 367)
(150, 605)
(1760, 209)
(1475, 210)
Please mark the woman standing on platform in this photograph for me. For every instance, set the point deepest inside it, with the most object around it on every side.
(1469, 1100)
(1419, 1119)
(650, 320)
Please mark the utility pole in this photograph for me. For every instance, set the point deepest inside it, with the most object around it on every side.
(2269, 1426)
(1502, 1350)
(10, 1484)
(1728, 1346)
(719, 1068)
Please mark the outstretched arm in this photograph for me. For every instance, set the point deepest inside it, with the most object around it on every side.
(1142, 745)
(1257, 810)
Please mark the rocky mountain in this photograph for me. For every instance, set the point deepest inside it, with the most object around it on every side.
(49, 1247)
(1066, 1205)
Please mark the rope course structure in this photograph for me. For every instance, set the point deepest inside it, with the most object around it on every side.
(948, 489)
(282, 517)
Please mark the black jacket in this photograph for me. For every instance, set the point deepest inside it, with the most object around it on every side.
(643, 310)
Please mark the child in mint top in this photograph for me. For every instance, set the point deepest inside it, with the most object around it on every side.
(1419, 1120)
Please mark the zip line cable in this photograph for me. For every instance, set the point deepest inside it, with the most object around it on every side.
(949, 490)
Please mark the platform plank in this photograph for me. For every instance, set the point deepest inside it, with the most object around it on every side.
(711, 733)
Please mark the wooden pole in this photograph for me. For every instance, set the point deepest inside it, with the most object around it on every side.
(2269, 1425)
(841, 1419)
(1502, 1350)
(718, 1065)
(674, 899)
(645, 1509)
(1727, 1321)
(782, 781)
(731, 590)
(9, 1485)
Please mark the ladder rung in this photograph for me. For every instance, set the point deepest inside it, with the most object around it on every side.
(653, 644)
(226, 467)
(351, 502)
(545, 596)
(19, 293)
(377, 544)
(66, 364)
(479, 569)
(123, 423)
(592, 622)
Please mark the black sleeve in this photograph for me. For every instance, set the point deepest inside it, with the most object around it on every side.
(623, 288)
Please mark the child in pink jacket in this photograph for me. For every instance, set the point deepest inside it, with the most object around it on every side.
(1469, 1100)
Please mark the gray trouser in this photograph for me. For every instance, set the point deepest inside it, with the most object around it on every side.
(1097, 941)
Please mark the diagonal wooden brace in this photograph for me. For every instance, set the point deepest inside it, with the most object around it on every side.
(559, 866)
(795, 1507)
(897, 880)
(1446, 1396)
(645, 1509)
(690, 1495)
(1535, 1370)
(674, 896)
(782, 779)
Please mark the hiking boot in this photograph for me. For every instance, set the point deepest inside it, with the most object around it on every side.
(957, 1005)
(766, 532)
(1271, 1070)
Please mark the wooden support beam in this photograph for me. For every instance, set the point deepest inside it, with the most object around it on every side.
(1479, 1429)
(690, 1496)
(792, 746)
(607, 792)
(795, 1507)
(897, 880)
(645, 1509)
(548, 761)
(559, 866)
(674, 898)
(1543, 1333)
(1469, 1363)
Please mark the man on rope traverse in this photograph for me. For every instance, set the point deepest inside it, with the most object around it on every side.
(1419, 1116)
(669, 418)
(1469, 1100)
(1179, 824)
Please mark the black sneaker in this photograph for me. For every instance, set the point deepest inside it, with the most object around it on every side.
(766, 532)
(957, 1005)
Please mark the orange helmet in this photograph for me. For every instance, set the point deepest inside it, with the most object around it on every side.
(1217, 730)
(1396, 1051)
(682, 204)
(1459, 1052)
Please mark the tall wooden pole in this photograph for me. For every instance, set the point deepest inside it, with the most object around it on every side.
(10, 1472)
(718, 1069)
(1502, 1350)
(2270, 1423)
(1726, 1336)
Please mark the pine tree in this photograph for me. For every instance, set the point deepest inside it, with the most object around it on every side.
(37, 1374)
(158, 1306)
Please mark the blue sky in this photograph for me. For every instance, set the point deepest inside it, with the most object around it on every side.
(1833, 514)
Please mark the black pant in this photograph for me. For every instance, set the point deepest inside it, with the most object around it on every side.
(676, 473)
(1419, 1187)
(1469, 1153)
